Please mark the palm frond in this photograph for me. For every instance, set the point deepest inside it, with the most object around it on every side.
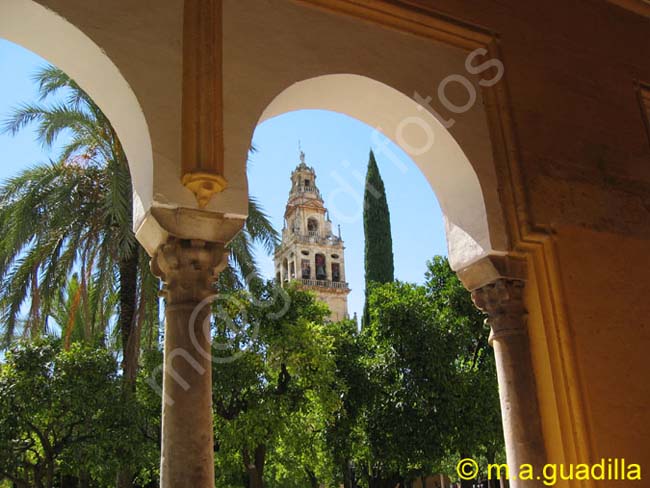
(259, 227)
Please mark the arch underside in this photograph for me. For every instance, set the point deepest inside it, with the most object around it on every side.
(433, 149)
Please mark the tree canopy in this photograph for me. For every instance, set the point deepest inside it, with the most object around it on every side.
(58, 413)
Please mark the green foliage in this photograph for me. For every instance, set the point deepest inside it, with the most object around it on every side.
(242, 269)
(379, 266)
(145, 421)
(271, 402)
(63, 417)
(58, 413)
(344, 436)
(376, 226)
(411, 373)
(429, 393)
(476, 427)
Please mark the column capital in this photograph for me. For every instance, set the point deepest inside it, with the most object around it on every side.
(163, 223)
(503, 302)
(188, 268)
(491, 268)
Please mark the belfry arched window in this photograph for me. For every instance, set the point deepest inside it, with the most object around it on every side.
(321, 271)
(312, 225)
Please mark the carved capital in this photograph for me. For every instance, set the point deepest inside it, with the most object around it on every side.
(188, 268)
(503, 302)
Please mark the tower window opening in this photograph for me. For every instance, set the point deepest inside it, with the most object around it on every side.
(305, 269)
(336, 272)
(312, 225)
(307, 182)
(321, 273)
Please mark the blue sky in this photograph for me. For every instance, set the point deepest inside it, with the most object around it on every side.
(17, 66)
(335, 145)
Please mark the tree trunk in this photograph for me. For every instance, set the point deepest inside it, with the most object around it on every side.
(380, 482)
(490, 455)
(124, 477)
(69, 481)
(84, 480)
(49, 471)
(466, 483)
(255, 467)
(128, 269)
(347, 475)
(313, 480)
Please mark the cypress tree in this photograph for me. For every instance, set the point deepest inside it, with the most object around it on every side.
(376, 227)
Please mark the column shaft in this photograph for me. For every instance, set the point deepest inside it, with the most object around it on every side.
(502, 300)
(188, 269)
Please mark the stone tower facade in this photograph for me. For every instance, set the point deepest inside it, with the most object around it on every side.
(310, 253)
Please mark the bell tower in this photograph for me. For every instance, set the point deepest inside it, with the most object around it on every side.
(310, 254)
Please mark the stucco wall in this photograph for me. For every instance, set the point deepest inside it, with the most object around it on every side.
(571, 69)
(605, 277)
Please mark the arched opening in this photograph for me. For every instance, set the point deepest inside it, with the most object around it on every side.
(472, 233)
(321, 267)
(312, 226)
(285, 269)
(45, 33)
(305, 269)
(336, 272)
(468, 226)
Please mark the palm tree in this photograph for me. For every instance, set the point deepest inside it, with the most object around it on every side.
(68, 252)
(75, 215)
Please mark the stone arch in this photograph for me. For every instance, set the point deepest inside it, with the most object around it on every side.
(42, 31)
(472, 232)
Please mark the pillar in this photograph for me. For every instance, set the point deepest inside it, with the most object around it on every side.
(502, 301)
(188, 269)
(202, 162)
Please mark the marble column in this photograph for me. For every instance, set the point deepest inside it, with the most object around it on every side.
(502, 301)
(188, 269)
